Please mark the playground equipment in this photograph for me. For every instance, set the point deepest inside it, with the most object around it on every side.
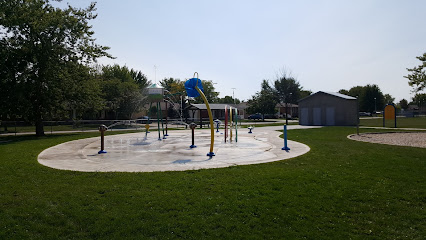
(146, 130)
(169, 98)
(236, 124)
(102, 129)
(389, 112)
(217, 121)
(155, 94)
(250, 128)
(194, 88)
(192, 126)
(285, 148)
(226, 123)
(232, 125)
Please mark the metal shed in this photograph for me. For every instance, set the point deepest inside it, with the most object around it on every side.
(328, 109)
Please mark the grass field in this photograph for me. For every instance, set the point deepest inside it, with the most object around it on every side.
(401, 122)
(341, 189)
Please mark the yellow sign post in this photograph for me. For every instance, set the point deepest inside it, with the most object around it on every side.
(389, 113)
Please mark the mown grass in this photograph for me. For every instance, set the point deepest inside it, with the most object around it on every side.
(341, 189)
(401, 122)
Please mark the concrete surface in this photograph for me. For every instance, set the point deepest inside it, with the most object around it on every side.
(133, 153)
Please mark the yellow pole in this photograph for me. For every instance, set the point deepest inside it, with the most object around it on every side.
(211, 120)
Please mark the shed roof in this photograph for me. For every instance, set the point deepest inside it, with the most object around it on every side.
(214, 106)
(339, 95)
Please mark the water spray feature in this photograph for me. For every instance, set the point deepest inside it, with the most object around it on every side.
(102, 129)
(226, 123)
(132, 153)
(218, 122)
(155, 94)
(192, 126)
(194, 88)
(168, 99)
(285, 148)
(250, 128)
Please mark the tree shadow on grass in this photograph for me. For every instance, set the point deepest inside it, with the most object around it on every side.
(5, 140)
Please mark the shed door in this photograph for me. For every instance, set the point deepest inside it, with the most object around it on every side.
(329, 116)
(317, 116)
(304, 116)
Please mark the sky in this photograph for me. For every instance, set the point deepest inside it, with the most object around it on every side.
(325, 45)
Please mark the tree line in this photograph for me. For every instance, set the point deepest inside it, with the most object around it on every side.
(48, 67)
(48, 71)
(285, 90)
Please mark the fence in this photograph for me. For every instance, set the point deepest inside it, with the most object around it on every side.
(17, 127)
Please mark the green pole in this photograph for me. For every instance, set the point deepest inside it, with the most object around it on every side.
(161, 115)
(158, 122)
(236, 124)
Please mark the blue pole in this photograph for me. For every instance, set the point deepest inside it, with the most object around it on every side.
(286, 148)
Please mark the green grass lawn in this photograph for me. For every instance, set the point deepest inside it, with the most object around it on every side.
(402, 122)
(341, 189)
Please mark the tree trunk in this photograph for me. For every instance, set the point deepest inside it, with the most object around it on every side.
(39, 128)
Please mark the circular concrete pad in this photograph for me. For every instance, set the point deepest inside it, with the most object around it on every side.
(133, 153)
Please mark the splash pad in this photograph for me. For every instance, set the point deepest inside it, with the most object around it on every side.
(135, 153)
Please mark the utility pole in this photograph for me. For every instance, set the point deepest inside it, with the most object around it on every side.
(375, 108)
(286, 107)
(233, 97)
(155, 74)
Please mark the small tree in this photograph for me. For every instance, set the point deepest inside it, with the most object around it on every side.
(287, 91)
(417, 78)
(371, 98)
(420, 99)
(173, 85)
(125, 94)
(228, 99)
(388, 99)
(403, 104)
(263, 102)
(209, 91)
(343, 91)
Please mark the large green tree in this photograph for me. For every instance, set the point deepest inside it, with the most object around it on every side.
(305, 93)
(354, 91)
(173, 86)
(370, 97)
(287, 89)
(420, 99)
(229, 99)
(403, 104)
(123, 90)
(263, 102)
(388, 99)
(209, 91)
(417, 76)
(43, 52)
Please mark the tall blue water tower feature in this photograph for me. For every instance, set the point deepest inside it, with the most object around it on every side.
(190, 87)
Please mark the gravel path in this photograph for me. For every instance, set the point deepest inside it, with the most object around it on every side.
(411, 139)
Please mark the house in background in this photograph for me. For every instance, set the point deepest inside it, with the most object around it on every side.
(328, 109)
(292, 111)
(218, 110)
